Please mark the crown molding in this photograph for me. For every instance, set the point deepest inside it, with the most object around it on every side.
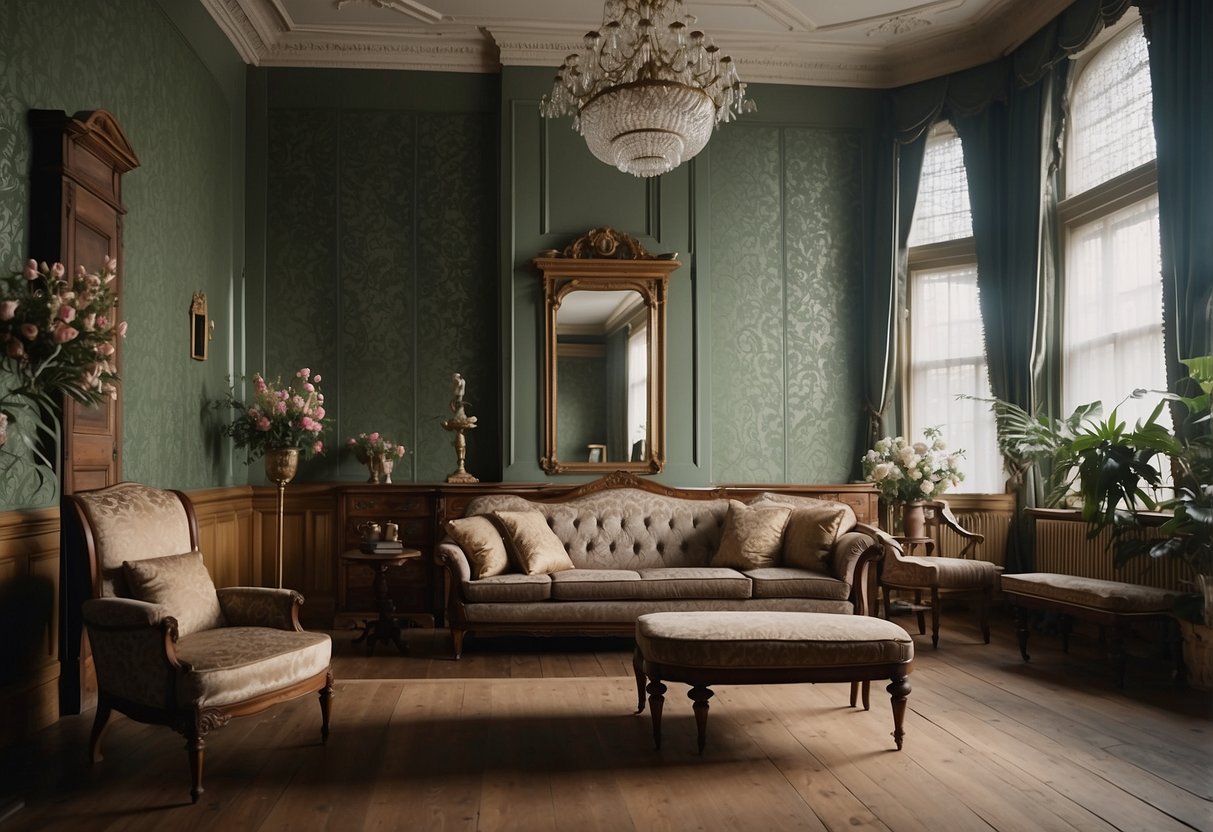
(869, 52)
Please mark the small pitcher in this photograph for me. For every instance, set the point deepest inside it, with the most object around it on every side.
(391, 531)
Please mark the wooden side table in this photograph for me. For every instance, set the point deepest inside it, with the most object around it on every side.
(385, 627)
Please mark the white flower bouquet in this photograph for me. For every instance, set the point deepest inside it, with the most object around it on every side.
(905, 472)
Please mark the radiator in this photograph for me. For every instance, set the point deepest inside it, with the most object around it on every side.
(1062, 547)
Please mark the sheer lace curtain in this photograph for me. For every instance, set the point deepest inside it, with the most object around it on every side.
(946, 343)
(1112, 323)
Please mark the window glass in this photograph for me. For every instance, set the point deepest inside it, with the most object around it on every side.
(942, 211)
(1111, 117)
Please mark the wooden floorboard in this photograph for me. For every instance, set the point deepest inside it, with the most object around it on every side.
(540, 734)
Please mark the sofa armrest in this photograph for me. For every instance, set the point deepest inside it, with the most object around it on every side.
(133, 649)
(450, 555)
(855, 555)
(256, 606)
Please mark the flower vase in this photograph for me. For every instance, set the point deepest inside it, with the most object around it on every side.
(281, 464)
(382, 469)
(913, 520)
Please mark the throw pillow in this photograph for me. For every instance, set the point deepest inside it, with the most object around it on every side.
(180, 584)
(813, 528)
(535, 548)
(752, 536)
(481, 541)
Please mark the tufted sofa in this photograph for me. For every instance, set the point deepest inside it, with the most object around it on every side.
(636, 547)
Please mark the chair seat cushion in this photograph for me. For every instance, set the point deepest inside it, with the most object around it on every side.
(1113, 596)
(232, 664)
(942, 572)
(770, 639)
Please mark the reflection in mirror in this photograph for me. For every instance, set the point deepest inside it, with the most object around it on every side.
(602, 373)
(604, 355)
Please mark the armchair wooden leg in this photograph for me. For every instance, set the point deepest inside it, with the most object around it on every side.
(1021, 631)
(934, 616)
(919, 614)
(326, 706)
(983, 612)
(195, 747)
(100, 723)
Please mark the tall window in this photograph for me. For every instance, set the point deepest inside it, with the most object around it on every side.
(1112, 300)
(946, 342)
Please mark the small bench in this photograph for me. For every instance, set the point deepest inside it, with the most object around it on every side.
(1109, 603)
(761, 648)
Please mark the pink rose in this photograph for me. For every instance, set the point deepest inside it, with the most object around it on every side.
(29, 331)
(31, 270)
(280, 408)
(14, 348)
(304, 373)
(57, 271)
(318, 447)
(7, 309)
(351, 442)
(63, 334)
(259, 383)
(263, 424)
(309, 387)
(374, 437)
(320, 413)
(67, 314)
(105, 348)
(399, 451)
(316, 378)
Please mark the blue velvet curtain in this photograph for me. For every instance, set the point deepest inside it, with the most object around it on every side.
(1180, 38)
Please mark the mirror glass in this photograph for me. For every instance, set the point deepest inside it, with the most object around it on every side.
(602, 376)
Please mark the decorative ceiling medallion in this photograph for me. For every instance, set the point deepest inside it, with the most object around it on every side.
(899, 25)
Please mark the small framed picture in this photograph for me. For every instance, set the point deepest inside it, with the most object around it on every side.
(597, 453)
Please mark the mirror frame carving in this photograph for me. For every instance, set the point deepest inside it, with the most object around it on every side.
(607, 260)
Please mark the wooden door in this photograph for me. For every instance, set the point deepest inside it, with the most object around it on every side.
(76, 218)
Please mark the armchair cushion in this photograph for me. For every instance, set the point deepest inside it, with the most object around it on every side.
(482, 543)
(232, 664)
(535, 547)
(180, 584)
(752, 536)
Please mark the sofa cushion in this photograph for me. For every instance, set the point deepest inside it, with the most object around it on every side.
(752, 536)
(787, 582)
(509, 588)
(535, 548)
(180, 584)
(649, 584)
(482, 544)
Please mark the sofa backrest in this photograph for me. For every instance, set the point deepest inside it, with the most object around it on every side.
(625, 528)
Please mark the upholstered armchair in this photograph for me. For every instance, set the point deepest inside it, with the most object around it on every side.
(953, 574)
(168, 647)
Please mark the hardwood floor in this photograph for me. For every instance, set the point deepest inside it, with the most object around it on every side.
(539, 734)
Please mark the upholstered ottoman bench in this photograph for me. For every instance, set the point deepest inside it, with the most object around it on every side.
(762, 648)
(1108, 603)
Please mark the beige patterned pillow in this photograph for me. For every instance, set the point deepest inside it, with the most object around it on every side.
(481, 541)
(752, 536)
(534, 547)
(808, 540)
(180, 584)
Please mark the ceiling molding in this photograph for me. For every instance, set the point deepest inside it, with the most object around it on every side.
(920, 41)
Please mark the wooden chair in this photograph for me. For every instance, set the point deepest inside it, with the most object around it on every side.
(169, 648)
(959, 574)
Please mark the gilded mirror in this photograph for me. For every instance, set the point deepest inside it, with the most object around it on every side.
(604, 355)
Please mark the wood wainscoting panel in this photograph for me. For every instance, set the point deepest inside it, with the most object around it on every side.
(29, 621)
(225, 533)
(309, 545)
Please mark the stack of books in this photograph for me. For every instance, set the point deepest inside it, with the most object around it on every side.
(381, 547)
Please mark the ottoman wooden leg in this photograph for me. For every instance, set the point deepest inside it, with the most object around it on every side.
(638, 669)
(700, 694)
(656, 700)
(983, 612)
(899, 689)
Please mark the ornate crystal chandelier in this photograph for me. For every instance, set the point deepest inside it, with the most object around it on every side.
(647, 92)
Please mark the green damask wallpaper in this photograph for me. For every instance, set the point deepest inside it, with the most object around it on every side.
(184, 215)
(380, 275)
(786, 304)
